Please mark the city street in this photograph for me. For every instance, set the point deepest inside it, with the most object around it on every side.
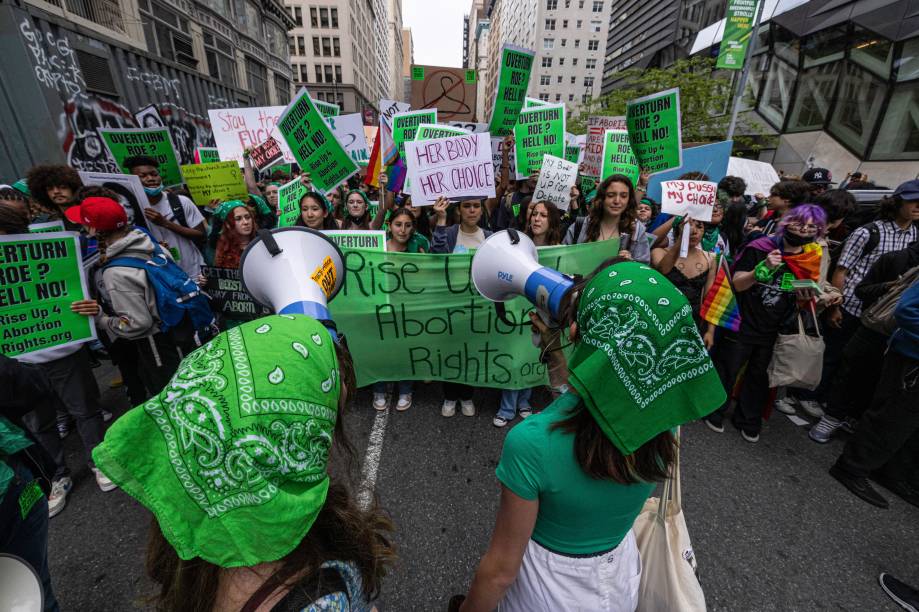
(771, 529)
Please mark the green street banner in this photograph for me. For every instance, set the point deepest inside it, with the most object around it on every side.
(154, 142)
(427, 131)
(418, 317)
(348, 240)
(618, 157)
(513, 80)
(655, 130)
(405, 125)
(39, 277)
(539, 131)
(313, 144)
(327, 109)
(289, 196)
(738, 27)
(218, 181)
(207, 155)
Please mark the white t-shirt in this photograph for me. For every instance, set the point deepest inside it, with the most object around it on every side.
(189, 257)
(466, 242)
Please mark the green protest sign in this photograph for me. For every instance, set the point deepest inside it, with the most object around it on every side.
(289, 196)
(531, 102)
(348, 240)
(43, 228)
(218, 181)
(738, 26)
(430, 132)
(327, 109)
(373, 208)
(618, 157)
(154, 142)
(313, 145)
(513, 79)
(418, 317)
(207, 155)
(588, 185)
(39, 277)
(539, 131)
(572, 153)
(285, 168)
(405, 125)
(654, 130)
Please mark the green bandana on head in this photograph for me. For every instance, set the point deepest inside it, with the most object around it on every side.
(224, 208)
(640, 366)
(231, 456)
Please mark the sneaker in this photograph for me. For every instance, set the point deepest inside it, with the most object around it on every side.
(499, 421)
(786, 405)
(751, 438)
(102, 480)
(859, 486)
(713, 425)
(848, 425)
(58, 498)
(404, 403)
(901, 488)
(448, 409)
(106, 416)
(824, 429)
(811, 408)
(525, 411)
(902, 593)
(379, 401)
(63, 429)
(468, 407)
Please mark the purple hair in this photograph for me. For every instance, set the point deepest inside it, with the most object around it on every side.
(804, 213)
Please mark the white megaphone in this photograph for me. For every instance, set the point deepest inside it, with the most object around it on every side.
(20, 588)
(293, 270)
(506, 265)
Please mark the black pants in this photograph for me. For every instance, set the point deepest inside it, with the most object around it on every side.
(886, 436)
(158, 358)
(124, 354)
(858, 374)
(457, 391)
(730, 355)
(835, 340)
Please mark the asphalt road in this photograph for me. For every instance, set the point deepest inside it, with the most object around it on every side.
(770, 528)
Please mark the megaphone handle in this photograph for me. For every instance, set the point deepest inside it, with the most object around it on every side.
(502, 316)
(270, 243)
(515, 238)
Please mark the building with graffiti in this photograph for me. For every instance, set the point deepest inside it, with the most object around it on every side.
(71, 66)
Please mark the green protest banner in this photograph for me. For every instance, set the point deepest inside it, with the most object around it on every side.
(312, 143)
(418, 317)
(289, 196)
(43, 228)
(618, 157)
(738, 26)
(430, 132)
(218, 181)
(405, 125)
(513, 79)
(39, 277)
(539, 131)
(207, 155)
(155, 142)
(654, 129)
(348, 240)
(327, 109)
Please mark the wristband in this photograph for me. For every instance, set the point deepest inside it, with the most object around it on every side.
(762, 273)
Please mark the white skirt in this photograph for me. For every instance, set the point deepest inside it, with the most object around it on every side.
(549, 581)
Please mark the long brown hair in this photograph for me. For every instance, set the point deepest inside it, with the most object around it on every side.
(629, 216)
(229, 245)
(554, 233)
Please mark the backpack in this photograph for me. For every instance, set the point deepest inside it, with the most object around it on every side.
(175, 204)
(879, 317)
(874, 239)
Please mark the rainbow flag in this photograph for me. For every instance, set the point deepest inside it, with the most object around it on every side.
(719, 306)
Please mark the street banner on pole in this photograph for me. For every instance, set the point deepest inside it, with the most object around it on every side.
(289, 196)
(593, 147)
(539, 131)
(738, 25)
(123, 143)
(556, 178)
(453, 167)
(404, 125)
(655, 130)
(513, 80)
(220, 181)
(618, 157)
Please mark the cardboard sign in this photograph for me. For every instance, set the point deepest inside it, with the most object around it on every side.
(404, 125)
(130, 190)
(156, 143)
(348, 240)
(327, 109)
(315, 148)
(695, 199)
(427, 131)
(655, 130)
(513, 80)
(206, 155)
(540, 131)
(266, 153)
(446, 89)
(349, 130)
(759, 176)
(556, 178)
(149, 117)
(453, 167)
(289, 196)
(228, 296)
(618, 157)
(593, 145)
(220, 181)
(237, 129)
(40, 275)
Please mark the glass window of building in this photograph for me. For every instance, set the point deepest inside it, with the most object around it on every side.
(316, 46)
(314, 20)
(221, 63)
(561, 61)
(871, 51)
(787, 44)
(326, 47)
(336, 47)
(550, 24)
(564, 24)
(598, 6)
(588, 81)
(825, 46)
(327, 73)
(544, 97)
(898, 137)
(907, 65)
(323, 17)
(551, 5)
(816, 89)
(858, 108)
(334, 15)
(548, 44)
(590, 64)
(558, 97)
(574, 61)
(281, 89)
(558, 79)
(318, 73)
(338, 74)
(593, 45)
(275, 35)
(577, 43)
(298, 16)
(257, 77)
(547, 62)
(544, 79)
(776, 98)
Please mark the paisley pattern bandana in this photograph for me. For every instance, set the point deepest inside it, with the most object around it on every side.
(640, 366)
(231, 456)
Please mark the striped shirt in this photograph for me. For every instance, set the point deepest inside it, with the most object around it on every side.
(892, 238)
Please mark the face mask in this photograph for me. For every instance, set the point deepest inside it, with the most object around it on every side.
(796, 240)
(153, 191)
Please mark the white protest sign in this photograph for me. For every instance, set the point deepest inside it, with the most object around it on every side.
(130, 192)
(149, 117)
(556, 178)
(497, 150)
(472, 128)
(349, 131)
(388, 108)
(593, 145)
(759, 176)
(236, 129)
(453, 167)
(694, 199)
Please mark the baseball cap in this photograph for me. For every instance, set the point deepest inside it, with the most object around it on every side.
(818, 176)
(99, 213)
(908, 190)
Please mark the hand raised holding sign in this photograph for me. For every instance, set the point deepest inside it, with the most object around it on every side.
(440, 210)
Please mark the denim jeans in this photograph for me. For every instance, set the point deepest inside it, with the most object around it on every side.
(405, 387)
(513, 400)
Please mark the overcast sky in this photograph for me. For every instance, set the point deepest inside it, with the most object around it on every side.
(437, 30)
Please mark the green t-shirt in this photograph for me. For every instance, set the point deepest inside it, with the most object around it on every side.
(577, 514)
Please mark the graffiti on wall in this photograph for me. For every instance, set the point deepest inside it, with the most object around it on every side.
(54, 61)
(188, 131)
(169, 88)
(82, 115)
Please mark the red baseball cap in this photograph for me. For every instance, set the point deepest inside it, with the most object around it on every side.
(104, 214)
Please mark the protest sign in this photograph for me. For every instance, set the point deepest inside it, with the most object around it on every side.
(497, 152)
(655, 130)
(695, 199)
(289, 196)
(40, 276)
(470, 128)
(44, 228)
(759, 176)
(130, 190)
(540, 131)
(593, 145)
(237, 129)
(711, 160)
(348, 240)
(315, 148)
(556, 178)
(228, 295)
(513, 79)
(390, 108)
(404, 125)
(156, 142)
(738, 26)
(220, 181)
(373, 208)
(574, 149)
(452, 167)
(411, 317)
(588, 185)
(427, 131)
(327, 109)
(531, 102)
(370, 135)
(206, 155)
(266, 153)
(284, 168)
(149, 117)
(618, 157)
(573, 153)
(452, 91)
(349, 130)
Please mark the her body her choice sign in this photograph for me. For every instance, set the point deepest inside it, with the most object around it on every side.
(655, 130)
(695, 199)
(453, 167)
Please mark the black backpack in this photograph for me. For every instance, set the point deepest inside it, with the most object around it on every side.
(874, 239)
(175, 204)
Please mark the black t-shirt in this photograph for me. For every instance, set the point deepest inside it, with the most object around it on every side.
(764, 307)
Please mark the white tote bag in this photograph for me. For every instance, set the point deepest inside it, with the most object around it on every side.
(797, 359)
(668, 575)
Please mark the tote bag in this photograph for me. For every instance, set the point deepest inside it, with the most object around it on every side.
(668, 575)
(797, 360)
